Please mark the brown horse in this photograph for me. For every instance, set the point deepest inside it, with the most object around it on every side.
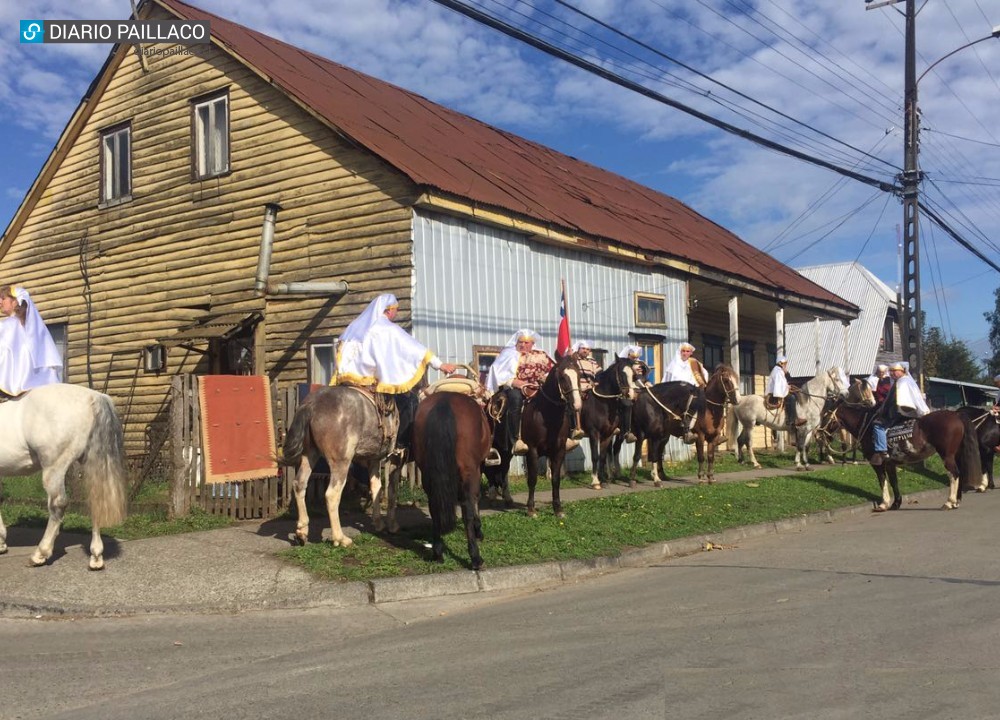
(342, 424)
(945, 432)
(451, 439)
(661, 411)
(600, 417)
(723, 389)
(545, 427)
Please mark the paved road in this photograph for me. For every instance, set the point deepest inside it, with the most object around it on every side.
(870, 616)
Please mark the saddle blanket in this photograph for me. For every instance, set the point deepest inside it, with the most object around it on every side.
(898, 438)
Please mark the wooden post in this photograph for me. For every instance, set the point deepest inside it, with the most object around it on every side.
(178, 488)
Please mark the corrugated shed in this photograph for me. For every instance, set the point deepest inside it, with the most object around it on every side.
(857, 284)
(445, 150)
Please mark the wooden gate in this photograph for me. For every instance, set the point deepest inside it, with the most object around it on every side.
(242, 500)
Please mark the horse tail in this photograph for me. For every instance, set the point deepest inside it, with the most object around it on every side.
(103, 466)
(295, 436)
(439, 474)
(969, 465)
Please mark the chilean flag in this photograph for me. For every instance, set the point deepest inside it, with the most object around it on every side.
(562, 341)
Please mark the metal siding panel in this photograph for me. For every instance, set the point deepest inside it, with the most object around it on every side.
(485, 262)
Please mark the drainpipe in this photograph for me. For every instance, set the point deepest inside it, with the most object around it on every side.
(263, 287)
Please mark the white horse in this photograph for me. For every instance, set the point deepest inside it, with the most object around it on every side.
(48, 429)
(752, 410)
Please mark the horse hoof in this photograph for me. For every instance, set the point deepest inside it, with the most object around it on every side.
(879, 507)
(97, 563)
(343, 542)
(950, 505)
(657, 483)
(595, 486)
(36, 560)
(3, 548)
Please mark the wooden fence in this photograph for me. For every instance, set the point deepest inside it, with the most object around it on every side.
(242, 500)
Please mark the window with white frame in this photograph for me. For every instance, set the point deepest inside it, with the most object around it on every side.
(210, 136)
(322, 361)
(116, 164)
(60, 334)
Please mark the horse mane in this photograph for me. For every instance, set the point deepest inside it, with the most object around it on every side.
(609, 379)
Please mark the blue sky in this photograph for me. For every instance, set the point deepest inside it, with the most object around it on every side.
(832, 66)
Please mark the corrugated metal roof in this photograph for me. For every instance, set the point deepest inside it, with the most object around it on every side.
(857, 284)
(445, 150)
(213, 326)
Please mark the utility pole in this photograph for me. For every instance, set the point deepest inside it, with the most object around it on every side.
(913, 342)
(909, 189)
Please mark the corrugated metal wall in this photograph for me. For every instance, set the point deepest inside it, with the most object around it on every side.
(852, 282)
(477, 285)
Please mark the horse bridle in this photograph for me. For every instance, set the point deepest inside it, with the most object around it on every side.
(729, 389)
(563, 393)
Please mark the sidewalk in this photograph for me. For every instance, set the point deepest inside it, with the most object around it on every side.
(237, 568)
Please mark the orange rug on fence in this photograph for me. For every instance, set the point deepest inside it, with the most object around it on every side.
(237, 428)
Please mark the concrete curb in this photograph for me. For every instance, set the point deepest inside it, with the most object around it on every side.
(317, 593)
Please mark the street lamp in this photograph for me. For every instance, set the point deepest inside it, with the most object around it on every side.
(909, 183)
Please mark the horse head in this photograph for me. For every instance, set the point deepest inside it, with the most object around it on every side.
(727, 380)
(566, 375)
(836, 382)
(860, 393)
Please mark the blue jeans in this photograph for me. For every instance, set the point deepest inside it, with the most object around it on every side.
(878, 436)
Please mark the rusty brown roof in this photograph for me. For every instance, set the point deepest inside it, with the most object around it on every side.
(454, 153)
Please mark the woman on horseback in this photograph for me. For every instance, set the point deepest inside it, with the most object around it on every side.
(29, 357)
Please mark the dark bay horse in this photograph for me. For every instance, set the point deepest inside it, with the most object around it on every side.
(832, 439)
(661, 411)
(723, 389)
(544, 429)
(451, 439)
(342, 424)
(945, 432)
(987, 427)
(600, 417)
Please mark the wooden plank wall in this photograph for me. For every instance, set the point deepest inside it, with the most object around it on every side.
(126, 276)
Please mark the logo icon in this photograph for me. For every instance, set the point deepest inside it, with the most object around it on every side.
(32, 31)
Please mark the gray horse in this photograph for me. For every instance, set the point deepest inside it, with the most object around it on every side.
(752, 410)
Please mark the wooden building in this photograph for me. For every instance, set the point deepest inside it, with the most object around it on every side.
(229, 208)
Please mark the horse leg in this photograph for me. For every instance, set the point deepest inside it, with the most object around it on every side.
(750, 453)
(338, 479)
(656, 460)
(988, 469)
(54, 481)
(894, 483)
(595, 461)
(299, 487)
(699, 445)
(712, 446)
(555, 466)
(803, 439)
(392, 478)
(375, 490)
(887, 500)
(3, 537)
(470, 518)
(636, 454)
(954, 484)
(531, 472)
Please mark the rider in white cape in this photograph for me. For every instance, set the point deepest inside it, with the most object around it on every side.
(29, 357)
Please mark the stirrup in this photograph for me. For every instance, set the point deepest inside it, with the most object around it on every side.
(519, 447)
(630, 437)
(492, 458)
(571, 443)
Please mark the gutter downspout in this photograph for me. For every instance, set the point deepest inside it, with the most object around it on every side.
(262, 287)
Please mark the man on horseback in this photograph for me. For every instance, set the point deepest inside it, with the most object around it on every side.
(639, 370)
(880, 384)
(903, 401)
(376, 353)
(519, 371)
(589, 368)
(778, 392)
(685, 368)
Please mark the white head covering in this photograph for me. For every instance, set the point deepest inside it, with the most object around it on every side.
(504, 368)
(376, 352)
(630, 351)
(897, 366)
(28, 355)
(359, 327)
(781, 359)
(882, 368)
(581, 344)
(686, 346)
